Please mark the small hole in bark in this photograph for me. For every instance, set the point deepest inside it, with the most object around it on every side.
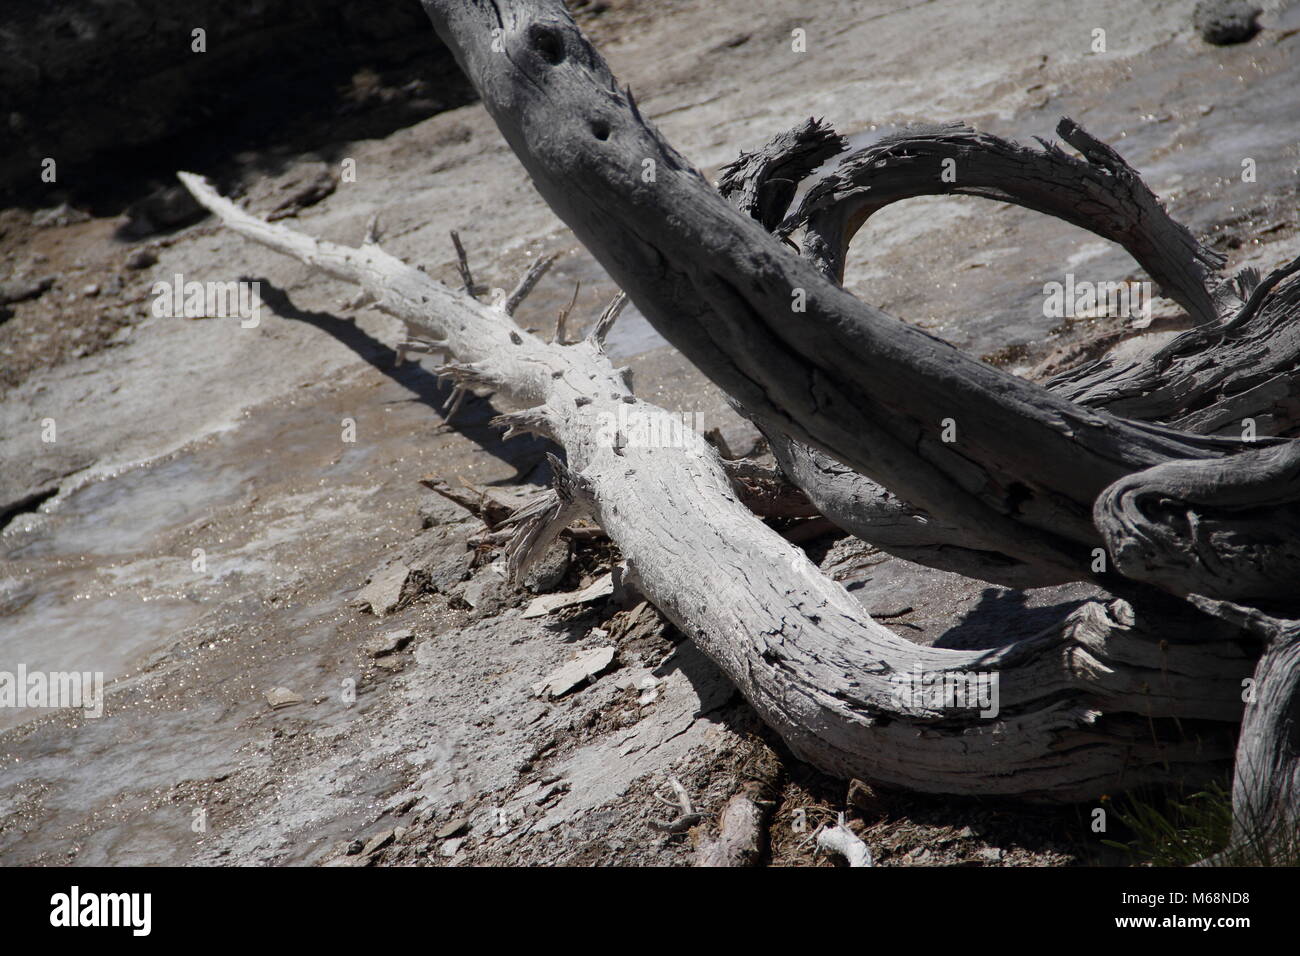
(548, 43)
(1017, 495)
(600, 129)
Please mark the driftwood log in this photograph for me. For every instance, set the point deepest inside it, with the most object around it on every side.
(1124, 691)
(969, 468)
(1204, 381)
(1106, 699)
(1024, 468)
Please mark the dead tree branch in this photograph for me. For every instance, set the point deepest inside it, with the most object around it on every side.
(1023, 468)
(1103, 700)
(1018, 470)
(1100, 193)
(902, 166)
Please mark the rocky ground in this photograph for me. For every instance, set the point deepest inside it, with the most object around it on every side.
(313, 659)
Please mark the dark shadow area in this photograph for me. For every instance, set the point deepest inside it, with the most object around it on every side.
(526, 453)
(1001, 617)
(119, 97)
(956, 830)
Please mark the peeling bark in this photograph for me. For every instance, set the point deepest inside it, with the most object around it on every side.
(1266, 778)
(1215, 379)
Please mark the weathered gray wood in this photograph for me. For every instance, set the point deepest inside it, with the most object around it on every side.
(869, 511)
(1217, 379)
(1266, 777)
(1238, 364)
(1225, 529)
(740, 834)
(1107, 698)
(1207, 389)
(762, 184)
(853, 501)
(1156, 522)
(1100, 193)
(1026, 466)
(1025, 480)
